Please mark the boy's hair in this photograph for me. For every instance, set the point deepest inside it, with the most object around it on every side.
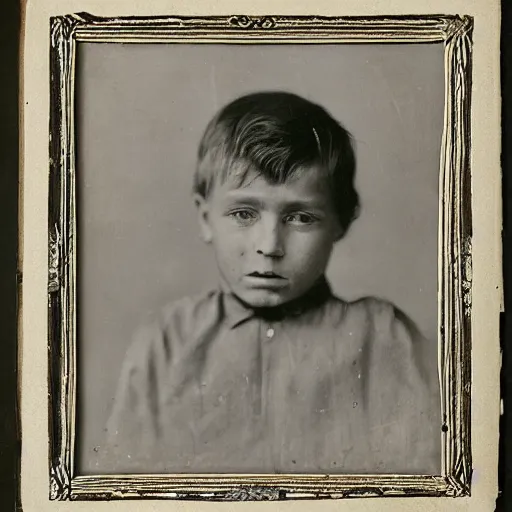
(278, 134)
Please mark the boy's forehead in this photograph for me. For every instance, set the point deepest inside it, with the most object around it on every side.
(308, 182)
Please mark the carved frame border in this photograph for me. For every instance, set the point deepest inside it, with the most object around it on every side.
(455, 279)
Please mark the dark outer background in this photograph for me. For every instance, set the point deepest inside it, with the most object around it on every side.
(9, 445)
(504, 502)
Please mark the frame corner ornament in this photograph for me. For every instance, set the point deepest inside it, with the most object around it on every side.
(60, 483)
(458, 488)
(458, 26)
(62, 27)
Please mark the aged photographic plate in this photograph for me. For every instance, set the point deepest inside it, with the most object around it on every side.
(78, 84)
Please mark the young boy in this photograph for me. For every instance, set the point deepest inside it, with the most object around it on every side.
(272, 373)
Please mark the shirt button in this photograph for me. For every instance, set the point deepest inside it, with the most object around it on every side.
(270, 333)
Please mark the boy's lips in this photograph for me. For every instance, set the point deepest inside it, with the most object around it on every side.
(265, 275)
(266, 280)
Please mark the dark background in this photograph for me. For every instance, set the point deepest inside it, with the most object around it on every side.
(505, 471)
(9, 444)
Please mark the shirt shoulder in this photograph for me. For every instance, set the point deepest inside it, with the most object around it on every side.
(383, 317)
(390, 332)
(185, 313)
(177, 324)
(364, 315)
(374, 307)
(396, 341)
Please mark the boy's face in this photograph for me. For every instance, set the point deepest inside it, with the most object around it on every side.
(272, 242)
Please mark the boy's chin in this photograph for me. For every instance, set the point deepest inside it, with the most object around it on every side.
(263, 298)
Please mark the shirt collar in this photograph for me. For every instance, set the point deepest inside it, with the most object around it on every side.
(237, 312)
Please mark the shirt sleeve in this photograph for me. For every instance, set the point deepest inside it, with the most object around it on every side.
(134, 424)
(404, 395)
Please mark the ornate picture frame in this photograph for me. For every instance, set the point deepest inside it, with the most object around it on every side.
(455, 270)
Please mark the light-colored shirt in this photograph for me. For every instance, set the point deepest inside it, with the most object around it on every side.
(318, 386)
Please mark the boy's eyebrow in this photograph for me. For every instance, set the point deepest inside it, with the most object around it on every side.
(305, 203)
(253, 201)
(290, 205)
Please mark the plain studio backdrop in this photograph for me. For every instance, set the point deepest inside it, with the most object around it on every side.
(141, 112)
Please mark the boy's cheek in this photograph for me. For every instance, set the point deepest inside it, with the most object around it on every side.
(314, 258)
(312, 245)
(230, 257)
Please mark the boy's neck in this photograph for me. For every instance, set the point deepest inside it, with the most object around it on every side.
(313, 298)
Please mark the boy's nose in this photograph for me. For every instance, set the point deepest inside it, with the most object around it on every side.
(269, 241)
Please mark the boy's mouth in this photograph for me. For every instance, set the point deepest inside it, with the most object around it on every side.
(266, 275)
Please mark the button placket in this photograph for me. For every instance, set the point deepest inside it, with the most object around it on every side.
(266, 334)
(269, 349)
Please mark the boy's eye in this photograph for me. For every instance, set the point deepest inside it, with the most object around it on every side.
(243, 217)
(300, 218)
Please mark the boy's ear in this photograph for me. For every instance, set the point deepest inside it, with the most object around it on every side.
(203, 215)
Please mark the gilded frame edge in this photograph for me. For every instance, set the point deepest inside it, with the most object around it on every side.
(455, 271)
